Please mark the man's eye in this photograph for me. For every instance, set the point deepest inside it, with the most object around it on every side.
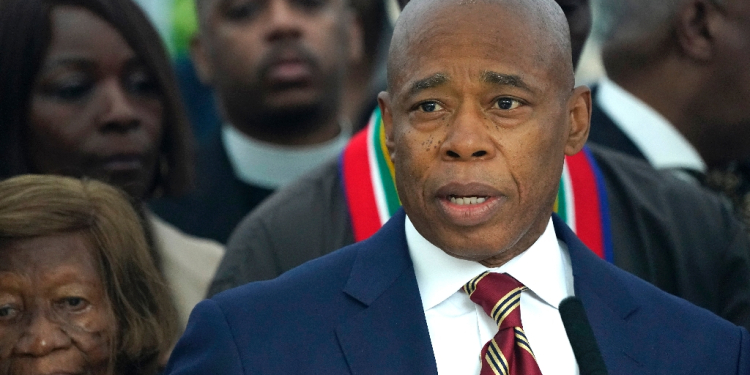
(241, 11)
(310, 4)
(507, 103)
(430, 107)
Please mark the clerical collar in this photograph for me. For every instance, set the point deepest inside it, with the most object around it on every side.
(272, 166)
(544, 268)
(660, 142)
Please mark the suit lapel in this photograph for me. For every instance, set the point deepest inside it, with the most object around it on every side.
(606, 133)
(610, 307)
(390, 334)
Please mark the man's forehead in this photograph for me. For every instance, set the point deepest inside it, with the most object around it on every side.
(490, 36)
(419, 81)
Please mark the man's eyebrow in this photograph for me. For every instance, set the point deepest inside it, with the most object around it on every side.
(505, 80)
(434, 80)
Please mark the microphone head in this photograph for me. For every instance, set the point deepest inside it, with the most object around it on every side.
(581, 337)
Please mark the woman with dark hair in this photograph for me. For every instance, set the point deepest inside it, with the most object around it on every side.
(86, 89)
(79, 291)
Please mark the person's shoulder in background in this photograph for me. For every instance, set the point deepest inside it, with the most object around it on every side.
(188, 263)
(305, 220)
(677, 235)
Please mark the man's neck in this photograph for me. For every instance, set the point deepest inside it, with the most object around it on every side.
(660, 142)
(669, 88)
(271, 165)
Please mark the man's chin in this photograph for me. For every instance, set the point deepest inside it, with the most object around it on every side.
(478, 244)
(474, 254)
(294, 111)
(469, 246)
(293, 99)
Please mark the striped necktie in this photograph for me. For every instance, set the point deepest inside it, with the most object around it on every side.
(508, 353)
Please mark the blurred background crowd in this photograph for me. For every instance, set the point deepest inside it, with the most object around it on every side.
(156, 152)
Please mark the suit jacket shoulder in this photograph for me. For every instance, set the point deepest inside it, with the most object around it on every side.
(302, 221)
(188, 264)
(641, 329)
(356, 310)
(677, 236)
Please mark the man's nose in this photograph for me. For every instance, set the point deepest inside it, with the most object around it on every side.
(119, 112)
(468, 137)
(41, 337)
(284, 21)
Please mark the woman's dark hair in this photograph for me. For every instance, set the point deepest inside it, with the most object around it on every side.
(25, 34)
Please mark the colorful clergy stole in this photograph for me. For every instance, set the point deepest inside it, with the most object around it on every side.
(368, 178)
(508, 353)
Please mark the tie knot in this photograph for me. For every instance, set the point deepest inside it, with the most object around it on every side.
(499, 294)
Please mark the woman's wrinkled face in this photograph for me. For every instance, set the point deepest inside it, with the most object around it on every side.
(55, 317)
(96, 110)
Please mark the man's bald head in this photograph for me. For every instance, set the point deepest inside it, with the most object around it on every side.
(544, 23)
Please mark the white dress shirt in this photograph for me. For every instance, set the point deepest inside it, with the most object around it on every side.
(272, 166)
(459, 328)
(660, 142)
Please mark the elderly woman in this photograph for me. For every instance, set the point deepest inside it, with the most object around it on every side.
(79, 291)
(86, 90)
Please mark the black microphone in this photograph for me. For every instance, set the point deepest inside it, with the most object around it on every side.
(581, 337)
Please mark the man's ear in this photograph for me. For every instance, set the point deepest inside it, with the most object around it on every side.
(579, 109)
(696, 26)
(201, 61)
(386, 111)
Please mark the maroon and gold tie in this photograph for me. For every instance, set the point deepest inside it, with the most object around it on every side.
(508, 353)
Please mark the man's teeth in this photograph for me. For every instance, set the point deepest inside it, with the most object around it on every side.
(467, 200)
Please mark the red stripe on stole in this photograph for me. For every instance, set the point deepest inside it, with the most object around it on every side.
(360, 195)
(586, 200)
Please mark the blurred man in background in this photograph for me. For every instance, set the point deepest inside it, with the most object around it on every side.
(678, 89)
(277, 68)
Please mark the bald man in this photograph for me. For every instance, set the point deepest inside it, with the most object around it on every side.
(695, 251)
(678, 89)
(479, 114)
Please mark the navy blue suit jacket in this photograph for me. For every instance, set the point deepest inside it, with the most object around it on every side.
(358, 311)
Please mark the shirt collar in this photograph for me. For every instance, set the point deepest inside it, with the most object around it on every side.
(273, 166)
(660, 142)
(544, 268)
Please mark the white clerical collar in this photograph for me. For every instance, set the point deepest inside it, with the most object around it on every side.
(273, 166)
(660, 142)
(544, 268)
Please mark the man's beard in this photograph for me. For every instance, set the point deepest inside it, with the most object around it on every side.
(292, 121)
